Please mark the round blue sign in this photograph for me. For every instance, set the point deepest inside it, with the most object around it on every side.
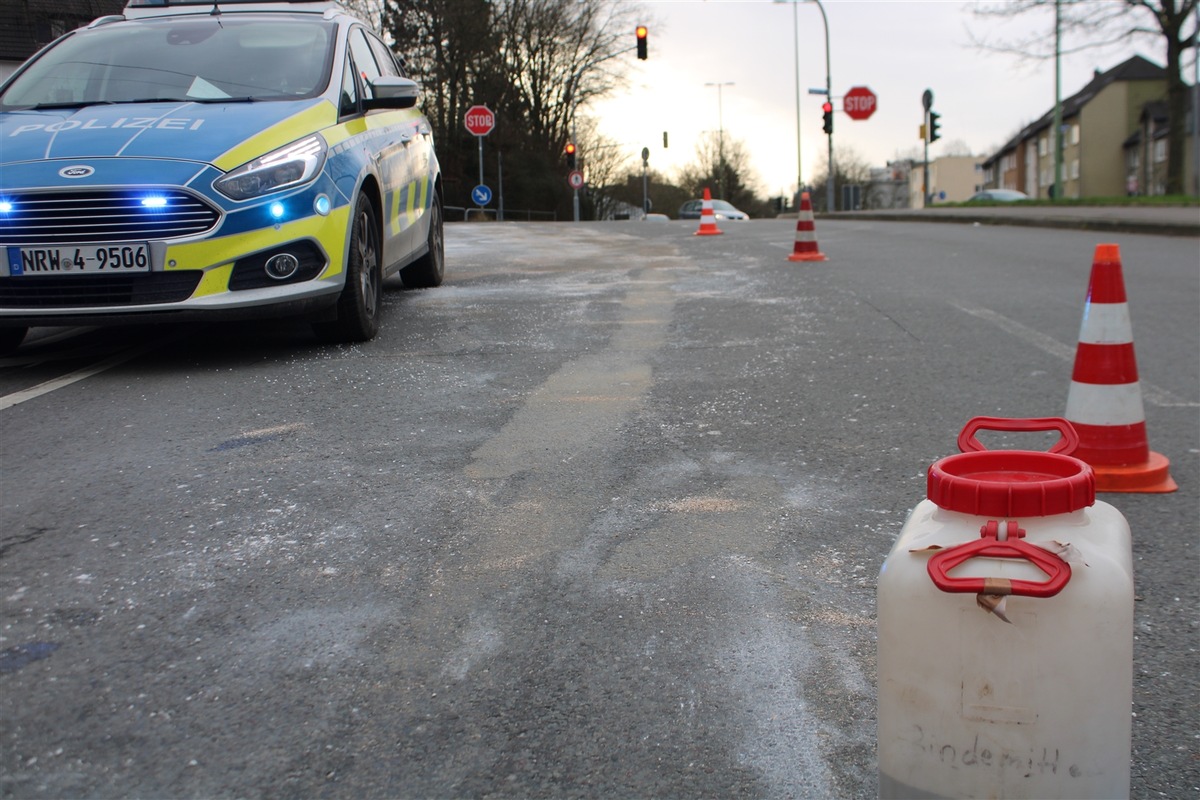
(482, 195)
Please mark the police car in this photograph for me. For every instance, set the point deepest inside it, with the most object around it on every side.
(193, 159)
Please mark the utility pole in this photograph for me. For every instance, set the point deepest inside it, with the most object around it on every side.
(720, 139)
(829, 97)
(1058, 137)
(927, 102)
(645, 180)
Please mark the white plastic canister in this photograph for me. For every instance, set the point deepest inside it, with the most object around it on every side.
(1005, 625)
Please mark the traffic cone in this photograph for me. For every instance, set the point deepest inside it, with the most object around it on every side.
(708, 220)
(1105, 399)
(806, 237)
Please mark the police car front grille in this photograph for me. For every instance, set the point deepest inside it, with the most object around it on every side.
(103, 216)
(102, 291)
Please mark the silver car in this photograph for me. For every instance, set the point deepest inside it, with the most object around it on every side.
(721, 210)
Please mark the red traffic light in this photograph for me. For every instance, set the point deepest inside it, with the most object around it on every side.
(570, 148)
(642, 32)
(827, 107)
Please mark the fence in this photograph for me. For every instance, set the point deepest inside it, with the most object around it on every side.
(489, 215)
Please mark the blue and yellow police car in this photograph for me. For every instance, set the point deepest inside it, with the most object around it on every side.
(192, 159)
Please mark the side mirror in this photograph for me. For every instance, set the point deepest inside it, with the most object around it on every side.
(393, 92)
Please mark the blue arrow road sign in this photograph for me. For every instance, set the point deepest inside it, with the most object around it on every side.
(481, 194)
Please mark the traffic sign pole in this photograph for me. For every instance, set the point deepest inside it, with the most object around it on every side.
(645, 180)
(479, 120)
(927, 103)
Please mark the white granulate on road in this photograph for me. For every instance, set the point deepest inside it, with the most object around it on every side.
(768, 663)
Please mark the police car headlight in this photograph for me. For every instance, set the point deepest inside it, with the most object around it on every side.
(297, 163)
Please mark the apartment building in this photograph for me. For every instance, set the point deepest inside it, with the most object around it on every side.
(1111, 129)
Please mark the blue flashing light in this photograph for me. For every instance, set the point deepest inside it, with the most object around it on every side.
(276, 210)
(154, 202)
(6, 206)
(323, 205)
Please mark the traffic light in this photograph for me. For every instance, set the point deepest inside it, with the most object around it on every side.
(934, 133)
(827, 107)
(641, 41)
(570, 151)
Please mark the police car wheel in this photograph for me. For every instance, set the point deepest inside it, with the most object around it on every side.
(11, 338)
(358, 306)
(429, 270)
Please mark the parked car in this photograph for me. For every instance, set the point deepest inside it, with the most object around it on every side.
(721, 210)
(206, 161)
(997, 196)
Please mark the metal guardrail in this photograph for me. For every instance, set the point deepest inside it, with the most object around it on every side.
(489, 215)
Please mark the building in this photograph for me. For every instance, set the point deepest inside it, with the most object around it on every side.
(30, 25)
(952, 179)
(1107, 133)
(1146, 153)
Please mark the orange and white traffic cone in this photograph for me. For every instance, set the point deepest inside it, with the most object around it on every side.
(708, 220)
(1105, 399)
(805, 248)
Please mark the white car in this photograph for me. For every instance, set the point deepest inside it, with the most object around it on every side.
(997, 196)
(721, 210)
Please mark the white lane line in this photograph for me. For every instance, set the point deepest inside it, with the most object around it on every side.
(1164, 398)
(16, 398)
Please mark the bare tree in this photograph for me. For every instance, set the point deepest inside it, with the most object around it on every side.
(724, 168)
(536, 63)
(370, 10)
(850, 169)
(602, 160)
(1097, 24)
(555, 53)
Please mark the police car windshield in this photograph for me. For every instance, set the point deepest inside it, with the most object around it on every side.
(203, 59)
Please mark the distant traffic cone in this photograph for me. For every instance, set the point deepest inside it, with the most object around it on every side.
(806, 237)
(1104, 402)
(708, 220)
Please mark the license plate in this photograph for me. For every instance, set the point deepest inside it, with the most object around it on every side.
(79, 259)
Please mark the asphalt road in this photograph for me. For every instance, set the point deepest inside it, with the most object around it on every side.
(600, 517)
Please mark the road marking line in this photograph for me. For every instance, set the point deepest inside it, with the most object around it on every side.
(1157, 395)
(16, 398)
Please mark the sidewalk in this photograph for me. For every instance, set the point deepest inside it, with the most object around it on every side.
(1163, 221)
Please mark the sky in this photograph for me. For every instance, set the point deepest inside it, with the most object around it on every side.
(896, 48)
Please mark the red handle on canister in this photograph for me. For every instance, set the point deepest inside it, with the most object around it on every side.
(1066, 445)
(989, 546)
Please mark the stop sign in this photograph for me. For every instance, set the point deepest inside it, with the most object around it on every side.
(480, 120)
(859, 103)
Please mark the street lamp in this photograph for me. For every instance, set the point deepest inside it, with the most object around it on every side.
(796, 42)
(828, 96)
(720, 139)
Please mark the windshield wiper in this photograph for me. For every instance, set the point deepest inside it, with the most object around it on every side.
(246, 99)
(86, 103)
(73, 104)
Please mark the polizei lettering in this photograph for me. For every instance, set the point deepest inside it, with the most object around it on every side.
(136, 123)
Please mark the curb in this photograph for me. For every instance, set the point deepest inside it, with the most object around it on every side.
(1104, 224)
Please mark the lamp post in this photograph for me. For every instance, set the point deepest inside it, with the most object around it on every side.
(720, 139)
(828, 96)
(796, 42)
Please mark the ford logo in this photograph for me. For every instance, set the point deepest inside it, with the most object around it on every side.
(76, 172)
